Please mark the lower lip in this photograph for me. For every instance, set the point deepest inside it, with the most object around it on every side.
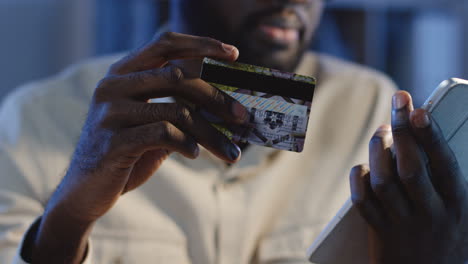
(280, 34)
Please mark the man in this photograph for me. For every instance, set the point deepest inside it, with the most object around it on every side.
(131, 191)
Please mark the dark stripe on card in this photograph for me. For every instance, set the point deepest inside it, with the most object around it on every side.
(257, 82)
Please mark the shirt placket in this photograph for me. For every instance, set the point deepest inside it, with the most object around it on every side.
(229, 234)
(230, 197)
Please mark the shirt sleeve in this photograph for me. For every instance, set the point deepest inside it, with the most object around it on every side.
(18, 209)
(33, 159)
(19, 215)
(22, 255)
(40, 124)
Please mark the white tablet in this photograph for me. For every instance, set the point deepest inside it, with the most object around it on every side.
(344, 239)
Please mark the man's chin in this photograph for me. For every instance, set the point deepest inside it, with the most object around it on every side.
(280, 59)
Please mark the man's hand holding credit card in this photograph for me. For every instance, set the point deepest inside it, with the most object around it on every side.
(278, 103)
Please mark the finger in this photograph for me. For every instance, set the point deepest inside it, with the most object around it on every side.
(168, 82)
(410, 161)
(145, 85)
(383, 175)
(445, 170)
(364, 199)
(148, 163)
(161, 135)
(172, 46)
(190, 123)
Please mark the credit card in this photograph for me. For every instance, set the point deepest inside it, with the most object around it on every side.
(278, 102)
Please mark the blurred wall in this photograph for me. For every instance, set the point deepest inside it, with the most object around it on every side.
(417, 42)
(126, 24)
(437, 51)
(40, 37)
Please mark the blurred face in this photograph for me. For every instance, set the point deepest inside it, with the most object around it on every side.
(272, 33)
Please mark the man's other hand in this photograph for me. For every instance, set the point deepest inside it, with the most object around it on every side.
(412, 194)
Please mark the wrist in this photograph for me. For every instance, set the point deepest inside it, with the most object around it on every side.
(61, 238)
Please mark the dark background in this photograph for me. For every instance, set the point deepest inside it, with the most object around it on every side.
(418, 43)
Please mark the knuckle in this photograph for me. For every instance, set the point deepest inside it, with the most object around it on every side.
(400, 128)
(411, 178)
(107, 110)
(137, 79)
(183, 115)
(172, 74)
(153, 112)
(164, 44)
(158, 112)
(117, 67)
(358, 170)
(380, 185)
(164, 131)
(116, 141)
(134, 138)
(108, 113)
(218, 97)
(121, 67)
(106, 84)
(358, 200)
(167, 36)
(211, 42)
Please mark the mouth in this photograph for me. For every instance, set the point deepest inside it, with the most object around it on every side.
(281, 31)
(280, 35)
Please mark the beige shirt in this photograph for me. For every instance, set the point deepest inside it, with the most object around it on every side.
(268, 208)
